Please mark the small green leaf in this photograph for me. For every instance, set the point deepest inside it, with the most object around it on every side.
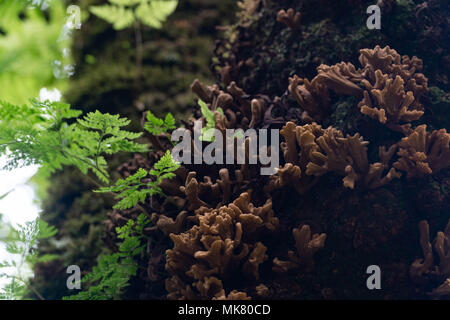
(118, 16)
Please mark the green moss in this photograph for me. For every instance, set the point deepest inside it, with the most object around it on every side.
(437, 104)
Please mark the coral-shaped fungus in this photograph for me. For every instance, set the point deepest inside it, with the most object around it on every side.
(290, 18)
(441, 247)
(393, 88)
(307, 245)
(224, 240)
(314, 151)
(423, 152)
(208, 212)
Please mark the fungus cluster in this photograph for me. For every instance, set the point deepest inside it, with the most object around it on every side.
(219, 216)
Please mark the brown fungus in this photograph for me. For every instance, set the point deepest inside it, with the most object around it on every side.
(307, 245)
(441, 247)
(221, 242)
(290, 18)
(422, 152)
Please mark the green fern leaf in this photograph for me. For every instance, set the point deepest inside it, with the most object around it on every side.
(119, 17)
(155, 12)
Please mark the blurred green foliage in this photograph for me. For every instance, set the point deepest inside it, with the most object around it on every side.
(121, 15)
(29, 48)
(21, 244)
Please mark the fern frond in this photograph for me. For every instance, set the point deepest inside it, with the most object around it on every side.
(157, 126)
(39, 133)
(135, 189)
(22, 244)
(155, 12)
(119, 16)
(208, 131)
(111, 276)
